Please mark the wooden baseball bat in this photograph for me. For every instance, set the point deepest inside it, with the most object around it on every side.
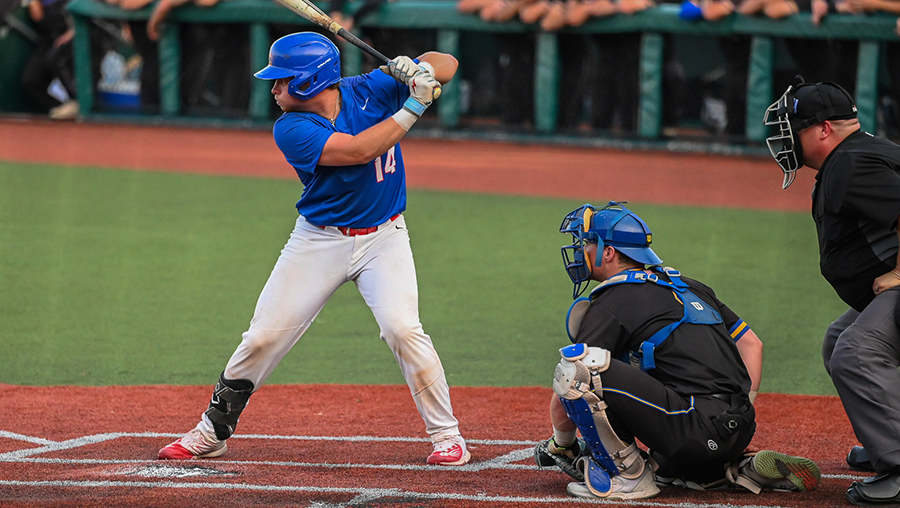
(310, 11)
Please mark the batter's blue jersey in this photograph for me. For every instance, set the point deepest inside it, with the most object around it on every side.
(358, 196)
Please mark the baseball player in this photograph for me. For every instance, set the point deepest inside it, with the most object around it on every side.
(856, 208)
(341, 136)
(656, 357)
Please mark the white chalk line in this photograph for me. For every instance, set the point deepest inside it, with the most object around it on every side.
(365, 495)
(368, 495)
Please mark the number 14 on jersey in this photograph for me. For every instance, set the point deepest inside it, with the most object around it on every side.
(390, 164)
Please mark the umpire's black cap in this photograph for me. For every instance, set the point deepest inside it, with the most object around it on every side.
(816, 102)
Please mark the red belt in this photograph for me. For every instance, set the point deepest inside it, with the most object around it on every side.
(358, 231)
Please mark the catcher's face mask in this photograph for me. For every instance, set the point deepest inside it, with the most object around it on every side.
(784, 146)
(578, 266)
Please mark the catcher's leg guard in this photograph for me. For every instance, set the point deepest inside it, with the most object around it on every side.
(577, 383)
(229, 398)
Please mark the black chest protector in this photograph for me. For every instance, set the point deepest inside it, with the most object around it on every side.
(696, 311)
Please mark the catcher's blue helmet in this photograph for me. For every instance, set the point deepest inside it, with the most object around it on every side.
(612, 225)
(310, 58)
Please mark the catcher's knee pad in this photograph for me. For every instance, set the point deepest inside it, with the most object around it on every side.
(579, 371)
(229, 398)
(577, 383)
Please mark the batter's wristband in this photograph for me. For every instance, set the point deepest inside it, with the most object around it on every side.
(415, 107)
(405, 118)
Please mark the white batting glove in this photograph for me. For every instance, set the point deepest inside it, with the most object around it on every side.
(402, 68)
(422, 90)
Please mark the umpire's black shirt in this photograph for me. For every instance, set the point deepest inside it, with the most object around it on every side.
(856, 202)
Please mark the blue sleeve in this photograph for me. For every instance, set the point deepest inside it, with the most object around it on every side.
(301, 138)
(391, 93)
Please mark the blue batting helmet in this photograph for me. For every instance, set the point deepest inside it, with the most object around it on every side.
(612, 225)
(310, 58)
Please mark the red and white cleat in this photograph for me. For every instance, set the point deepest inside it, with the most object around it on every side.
(450, 452)
(194, 445)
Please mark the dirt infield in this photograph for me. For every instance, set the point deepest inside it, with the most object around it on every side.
(329, 446)
(471, 166)
(348, 446)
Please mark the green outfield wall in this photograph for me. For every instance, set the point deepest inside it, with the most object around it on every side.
(441, 16)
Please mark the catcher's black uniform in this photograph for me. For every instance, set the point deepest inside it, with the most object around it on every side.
(856, 203)
(680, 409)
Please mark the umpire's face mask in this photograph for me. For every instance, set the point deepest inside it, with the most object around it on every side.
(785, 145)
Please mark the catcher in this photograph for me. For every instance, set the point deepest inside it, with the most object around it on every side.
(656, 357)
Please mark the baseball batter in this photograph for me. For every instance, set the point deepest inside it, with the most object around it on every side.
(657, 357)
(341, 136)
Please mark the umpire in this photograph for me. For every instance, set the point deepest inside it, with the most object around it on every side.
(856, 208)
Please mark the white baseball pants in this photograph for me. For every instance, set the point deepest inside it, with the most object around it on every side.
(312, 265)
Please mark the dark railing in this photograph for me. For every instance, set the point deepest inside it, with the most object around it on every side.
(441, 16)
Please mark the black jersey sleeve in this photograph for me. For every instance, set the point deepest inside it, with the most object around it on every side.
(602, 328)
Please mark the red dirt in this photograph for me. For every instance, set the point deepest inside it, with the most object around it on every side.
(471, 166)
(266, 468)
(270, 463)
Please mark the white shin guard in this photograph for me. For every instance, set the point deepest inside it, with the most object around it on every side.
(577, 382)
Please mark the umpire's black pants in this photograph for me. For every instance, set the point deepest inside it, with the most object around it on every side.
(683, 433)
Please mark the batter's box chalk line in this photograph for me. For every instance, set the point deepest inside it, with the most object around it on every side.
(368, 495)
(506, 461)
(47, 446)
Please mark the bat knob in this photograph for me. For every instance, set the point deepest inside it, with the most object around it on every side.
(436, 92)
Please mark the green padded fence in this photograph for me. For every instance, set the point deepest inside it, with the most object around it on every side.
(441, 15)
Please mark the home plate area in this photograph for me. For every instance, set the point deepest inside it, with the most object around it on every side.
(90, 469)
(313, 446)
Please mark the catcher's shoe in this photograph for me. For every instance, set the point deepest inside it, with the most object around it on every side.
(547, 453)
(193, 445)
(772, 470)
(642, 487)
(449, 452)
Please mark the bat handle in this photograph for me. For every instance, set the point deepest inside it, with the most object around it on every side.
(356, 41)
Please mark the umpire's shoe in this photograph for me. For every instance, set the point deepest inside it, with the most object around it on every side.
(772, 470)
(858, 460)
(547, 454)
(875, 491)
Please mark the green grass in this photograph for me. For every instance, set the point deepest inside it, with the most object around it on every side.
(122, 278)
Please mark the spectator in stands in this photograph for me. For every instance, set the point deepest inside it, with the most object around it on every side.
(819, 60)
(148, 51)
(389, 41)
(579, 11)
(551, 14)
(348, 21)
(774, 9)
(51, 59)
(617, 54)
(214, 70)
(735, 51)
(890, 100)
(614, 107)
